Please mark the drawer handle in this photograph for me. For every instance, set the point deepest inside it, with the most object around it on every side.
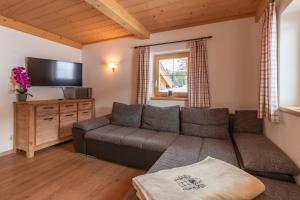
(69, 105)
(85, 112)
(46, 108)
(69, 115)
(50, 118)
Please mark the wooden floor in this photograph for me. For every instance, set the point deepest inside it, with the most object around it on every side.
(57, 173)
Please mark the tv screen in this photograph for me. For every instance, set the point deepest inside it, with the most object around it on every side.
(44, 72)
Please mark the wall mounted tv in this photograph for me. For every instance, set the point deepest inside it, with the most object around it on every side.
(44, 72)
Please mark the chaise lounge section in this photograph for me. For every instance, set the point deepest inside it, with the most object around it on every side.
(153, 139)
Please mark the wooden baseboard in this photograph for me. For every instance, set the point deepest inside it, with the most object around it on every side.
(6, 153)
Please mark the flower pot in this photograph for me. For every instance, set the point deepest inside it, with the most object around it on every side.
(21, 97)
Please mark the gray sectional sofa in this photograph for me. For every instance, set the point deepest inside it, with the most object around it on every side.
(153, 138)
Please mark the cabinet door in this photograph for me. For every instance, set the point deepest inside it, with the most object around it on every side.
(46, 128)
(66, 123)
(84, 115)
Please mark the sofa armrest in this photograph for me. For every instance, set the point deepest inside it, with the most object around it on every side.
(91, 124)
(78, 140)
(81, 128)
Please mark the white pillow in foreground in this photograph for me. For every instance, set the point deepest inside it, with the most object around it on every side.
(210, 179)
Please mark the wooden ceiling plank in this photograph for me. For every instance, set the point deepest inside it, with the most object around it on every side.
(105, 35)
(72, 19)
(4, 4)
(24, 7)
(120, 15)
(161, 29)
(91, 27)
(85, 22)
(103, 40)
(61, 13)
(7, 22)
(153, 4)
(100, 30)
(48, 9)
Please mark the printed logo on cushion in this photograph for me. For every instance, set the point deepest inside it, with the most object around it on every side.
(186, 182)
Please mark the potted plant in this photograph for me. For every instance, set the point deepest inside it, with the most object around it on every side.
(21, 82)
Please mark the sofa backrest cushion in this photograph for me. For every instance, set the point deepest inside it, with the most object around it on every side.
(246, 121)
(161, 118)
(126, 115)
(211, 123)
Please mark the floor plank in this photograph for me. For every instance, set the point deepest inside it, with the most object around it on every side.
(57, 173)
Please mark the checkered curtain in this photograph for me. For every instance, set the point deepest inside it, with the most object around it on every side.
(268, 97)
(143, 81)
(198, 88)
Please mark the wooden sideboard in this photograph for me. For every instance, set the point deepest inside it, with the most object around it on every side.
(40, 124)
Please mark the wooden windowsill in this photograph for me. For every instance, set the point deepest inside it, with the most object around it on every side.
(294, 110)
(169, 98)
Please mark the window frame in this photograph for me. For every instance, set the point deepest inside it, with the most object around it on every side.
(157, 93)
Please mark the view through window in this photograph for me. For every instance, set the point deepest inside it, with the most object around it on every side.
(171, 75)
(289, 71)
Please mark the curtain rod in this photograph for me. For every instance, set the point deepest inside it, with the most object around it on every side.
(150, 45)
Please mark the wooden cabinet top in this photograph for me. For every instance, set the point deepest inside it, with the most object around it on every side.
(54, 101)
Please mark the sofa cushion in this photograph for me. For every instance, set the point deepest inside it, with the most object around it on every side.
(114, 135)
(149, 140)
(220, 149)
(247, 122)
(160, 141)
(126, 115)
(183, 151)
(133, 137)
(91, 124)
(259, 154)
(186, 150)
(161, 118)
(212, 123)
(279, 190)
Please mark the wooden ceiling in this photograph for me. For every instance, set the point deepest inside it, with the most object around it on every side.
(79, 22)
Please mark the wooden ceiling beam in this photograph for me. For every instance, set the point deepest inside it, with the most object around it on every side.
(261, 9)
(7, 22)
(119, 14)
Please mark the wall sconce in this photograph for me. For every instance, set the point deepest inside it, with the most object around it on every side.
(112, 66)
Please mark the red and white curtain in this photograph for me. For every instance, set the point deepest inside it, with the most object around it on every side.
(198, 88)
(268, 97)
(143, 77)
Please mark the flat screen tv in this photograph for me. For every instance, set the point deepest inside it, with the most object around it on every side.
(44, 72)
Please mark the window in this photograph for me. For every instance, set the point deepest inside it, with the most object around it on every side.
(170, 75)
(289, 52)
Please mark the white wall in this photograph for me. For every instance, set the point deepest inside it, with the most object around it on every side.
(286, 136)
(233, 64)
(15, 46)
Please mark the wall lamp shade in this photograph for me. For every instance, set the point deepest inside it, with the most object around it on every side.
(112, 66)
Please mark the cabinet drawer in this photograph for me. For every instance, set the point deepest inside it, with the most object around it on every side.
(85, 105)
(46, 128)
(50, 108)
(84, 115)
(68, 107)
(66, 123)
